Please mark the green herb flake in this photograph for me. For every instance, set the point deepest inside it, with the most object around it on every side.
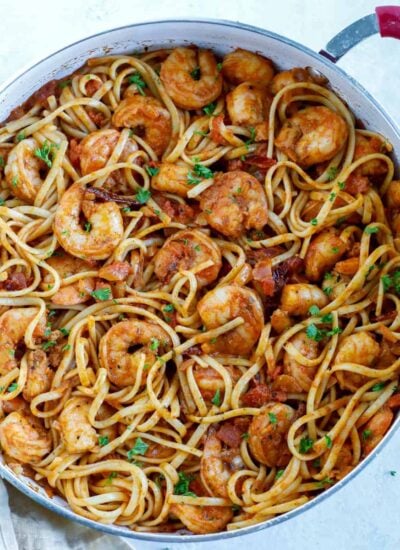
(219, 67)
(306, 444)
(195, 74)
(202, 171)
(143, 195)
(14, 181)
(335, 249)
(64, 84)
(209, 109)
(332, 173)
(314, 333)
(2, 162)
(328, 441)
(49, 344)
(126, 209)
(279, 474)
(102, 294)
(200, 133)
(21, 136)
(152, 170)
(169, 308)
(371, 230)
(140, 448)
(12, 387)
(197, 248)
(64, 331)
(88, 227)
(103, 440)
(67, 347)
(324, 482)
(45, 153)
(182, 487)
(378, 387)
(216, 400)
(366, 434)
(313, 310)
(245, 436)
(110, 478)
(328, 290)
(138, 81)
(314, 222)
(192, 180)
(154, 344)
(332, 197)
(272, 418)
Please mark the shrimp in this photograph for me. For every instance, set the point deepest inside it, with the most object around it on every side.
(235, 203)
(360, 348)
(244, 66)
(366, 145)
(224, 304)
(145, 113)
(97, 148)
(75, 293)
(313, 135)
(297, 298)
(202, 519)
(268, 434)
(77, 434)
(172, 178)
(374, 430)
(13, 326)
(280, 321)
(106, 225)
(115, 355)
(191, 77)
(185, 250)
(39, 375)
(23, 437)
(292, 76)
(393, 194)
(22, 170)
(213, 470)
(248, 105)
(301, 374)
(324, 251)
(209, 381)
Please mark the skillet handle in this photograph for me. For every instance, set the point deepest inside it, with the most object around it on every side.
(385, 21)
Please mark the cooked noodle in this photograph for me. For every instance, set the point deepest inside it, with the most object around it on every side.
(182, 346)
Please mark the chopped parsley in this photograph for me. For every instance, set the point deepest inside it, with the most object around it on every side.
(314, 222)
(12, 387)
(195, 74)
(14, 181)
(182, 487)
(328, 318)
(216, 400)
(88, 227)
(391, 282)
(102, 294)
(245, 435)
(110, 478)
(169, 308)
(219, 67)
(152, 170)
(49, 344)
(202, 171)
(314, 333)
(332, 173)
(138, 81)
(366, 434)
(67, 347)
(200, 133)
(279, 474)
(103, 440)
(154, 344)
(328, 441)
(335, 249)
(332, 196)
(324, 482)
(209, 109)
(341, 185)
(252, 137)
(197, 248)
(378, 387)
(371, 230)
(64, 331)
(313, 310)
(328, 290)
(143, 195)
(126, 209)
(306, 444)
(64, 84)
(272, 418)
(192, 180)
(21, 136)
(140, 448)
(45, 152)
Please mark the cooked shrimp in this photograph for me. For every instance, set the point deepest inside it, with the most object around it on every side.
(348, 267)
(313, 135)
(268, 435)
(209, 381)
(393, 194)
(359, 348)
(172, 178)
(213, 471)
(292, 76)
(308, 348)
(225, 303)
(191, 77)
(280, 320)
(115, 355)
(75, 293)
(22, 170)
(235, 203)
(202, 519)
(297, 298)
(77, 433)
(23, 437)
(39, 375)
(324, 251)
(366, 145)
(248, 105)
(185, 250)
(13, 326)
(106, 225)
(374, 430)
(344, 462)
(116, 271)
(243, 66)
(97, 148)
(145, 113)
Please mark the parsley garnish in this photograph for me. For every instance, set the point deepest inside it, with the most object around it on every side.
(2, 162)
(12, 387)
(138, 81)
(366, 434)
(341, 185)
(49, 344)
(195, 74)
(209, 109)
(313, 310)
(112, 476)
(279, 474)
(152, 170)
(371, 230)
(391, 281)
(314, 222)
(306, 444)
(245, 435)
(169, 308)
(44, 153)
(140, 448)
(67, 347)
(328, 441)
(272, 418)
(219, 67)
(88, 227)
(335, 249)
(332, 173)
(103, 440)
(182, 487)
(64, 84)
(64, 331)
(325, 481)
(216, 400)
(102, 294)
(143, 195)
(154, 344)
(328, 290)
(314, 333)
(332, 196)
(378, 387)
(202, 171)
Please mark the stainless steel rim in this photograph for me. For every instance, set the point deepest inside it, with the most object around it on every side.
(7, 474)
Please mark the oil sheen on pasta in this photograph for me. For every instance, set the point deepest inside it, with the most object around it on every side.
(199, 289)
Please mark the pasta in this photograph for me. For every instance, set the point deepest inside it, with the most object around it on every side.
(199, 289)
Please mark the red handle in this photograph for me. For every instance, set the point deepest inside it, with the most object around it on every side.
(389, 20)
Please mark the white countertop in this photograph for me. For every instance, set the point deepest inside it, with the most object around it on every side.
(362, 516)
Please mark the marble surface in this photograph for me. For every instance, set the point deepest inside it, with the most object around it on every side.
(363, 515)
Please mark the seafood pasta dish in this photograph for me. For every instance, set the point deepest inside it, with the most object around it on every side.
(199, 289)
